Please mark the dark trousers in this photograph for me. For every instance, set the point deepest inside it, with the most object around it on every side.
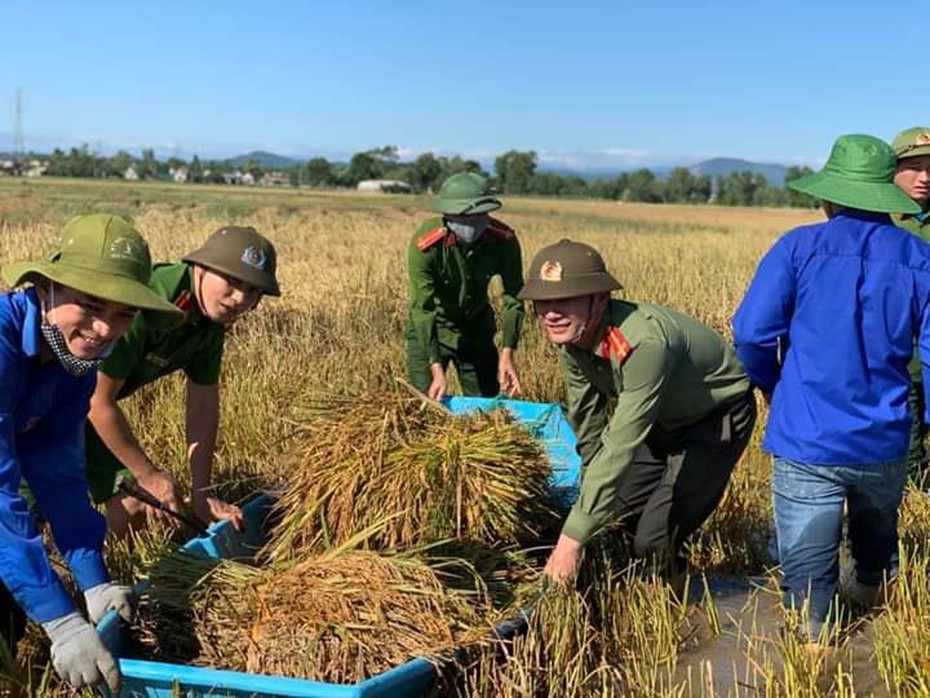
(917, 454)
(475, 362)
(12, 620)
(678, 478)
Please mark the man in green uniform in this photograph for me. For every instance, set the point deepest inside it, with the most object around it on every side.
(214, 286)
(659, 402)
(450, 261)
(912, 148)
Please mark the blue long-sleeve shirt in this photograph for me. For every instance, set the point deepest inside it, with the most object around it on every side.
(42, 414)
(828, 326)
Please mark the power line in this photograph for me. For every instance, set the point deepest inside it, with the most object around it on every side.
(19, 148)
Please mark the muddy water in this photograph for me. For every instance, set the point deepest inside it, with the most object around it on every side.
(732, 661)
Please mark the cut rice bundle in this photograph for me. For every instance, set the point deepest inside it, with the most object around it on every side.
(337, 617)
(435, 476)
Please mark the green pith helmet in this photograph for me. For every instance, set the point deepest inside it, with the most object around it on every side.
(860, 174)
(912, 142)
(103, 256)
(567, 269)
(466, 194)
(242, 253)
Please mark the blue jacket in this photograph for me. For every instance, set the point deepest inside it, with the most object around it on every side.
(828, 326)
(42, 414)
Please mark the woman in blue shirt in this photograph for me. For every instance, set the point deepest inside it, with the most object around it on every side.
(52, 336)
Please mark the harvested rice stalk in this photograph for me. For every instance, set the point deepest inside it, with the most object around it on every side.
(343, 434)
(481, 477)
(620, 637)
(337, 617)
(163, 629)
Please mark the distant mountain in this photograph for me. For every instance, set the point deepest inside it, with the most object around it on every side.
(592, 173)
(264, 159)
(773, 172)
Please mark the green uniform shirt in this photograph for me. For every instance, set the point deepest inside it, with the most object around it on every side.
(918, 224)
(670, 370)
(448, 292)
(144, 354)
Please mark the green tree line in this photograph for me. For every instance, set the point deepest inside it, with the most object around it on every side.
(515, 172)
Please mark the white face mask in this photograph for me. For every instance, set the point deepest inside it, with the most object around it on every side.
(467, 232)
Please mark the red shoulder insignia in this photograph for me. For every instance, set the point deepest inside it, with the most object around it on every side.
(615, 346)
(499, 229)
(431, 238)
(183, 301)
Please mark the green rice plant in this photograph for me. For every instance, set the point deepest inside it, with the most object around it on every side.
(618, 633)
(902, 632)
(780, 660)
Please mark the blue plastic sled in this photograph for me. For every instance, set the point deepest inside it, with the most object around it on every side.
(413, 678)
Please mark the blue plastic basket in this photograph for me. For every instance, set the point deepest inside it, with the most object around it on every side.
(413, 678)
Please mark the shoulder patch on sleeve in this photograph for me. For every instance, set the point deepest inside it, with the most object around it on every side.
(499, 229)
(430, 238)
(615, 346)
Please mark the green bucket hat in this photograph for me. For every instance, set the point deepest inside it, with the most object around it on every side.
(860, 174)
(912, 142)
(465, 194)
(104, 256)
(567, 269)
(241, 253)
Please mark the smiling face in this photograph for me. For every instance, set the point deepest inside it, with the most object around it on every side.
(88, 324)
(223, 299)
(913, 176)
(567, 320)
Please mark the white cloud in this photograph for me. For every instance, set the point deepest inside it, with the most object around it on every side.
(607, 159)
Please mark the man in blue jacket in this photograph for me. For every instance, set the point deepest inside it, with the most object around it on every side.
(826, 330)
(52, 336)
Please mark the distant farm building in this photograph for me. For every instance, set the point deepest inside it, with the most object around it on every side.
(131, 174)
(10, 168)
(35, 168)
(275, 179)
(180, 175)
(238, 177)
(385, 186)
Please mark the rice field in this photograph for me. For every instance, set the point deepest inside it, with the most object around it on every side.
(338, 330)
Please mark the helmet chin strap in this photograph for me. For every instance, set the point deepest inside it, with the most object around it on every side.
(579, 335)
(198, 289)
(583, 336)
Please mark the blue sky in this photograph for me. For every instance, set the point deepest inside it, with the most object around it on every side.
(584, 84)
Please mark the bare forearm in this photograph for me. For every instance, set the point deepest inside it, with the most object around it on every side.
(201, 429)
(201, 463)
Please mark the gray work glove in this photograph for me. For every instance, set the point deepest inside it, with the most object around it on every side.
(103, 597)
(78, 655)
